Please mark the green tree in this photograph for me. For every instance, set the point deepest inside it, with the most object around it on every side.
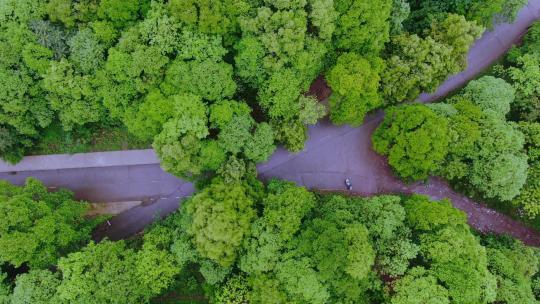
(285, 206)
(419, 286)
(485, 152)
(531, 131)
(424, 215)
(72, 95)
(135, 66)
(414, 138)
(355, 88)
(4, 290)
(22, 106)
(261, 144)
(459, 262)
(418, 64)
(234, 291)
(529, 198)
(491, 94)
(12, 145)
(180, 143)
(280, 95)
(209, 16)
(223, 111)
(120, 12)
(400, 12)
(525, 78)
(22, 10)
(61, 11)
(499, 169)
(288, 110)
(38, 226)
(384, 216)
(248, 66)
(236, 134)
(279, 57)
(86, 51)
(209, 79)
(501, 176)
(103, 273)
(151, 114)
(513, 266)
(362, 27)
(484, 12)
(451, 253)
(220, 217)
(263, 248)
(458, 33)
(415, 65)
(155, 265)
(36, 286)
(300, 281)
(465, 126)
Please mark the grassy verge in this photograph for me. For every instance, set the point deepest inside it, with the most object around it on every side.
(96, 139)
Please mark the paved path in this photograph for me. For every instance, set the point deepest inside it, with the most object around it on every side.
(331, 154)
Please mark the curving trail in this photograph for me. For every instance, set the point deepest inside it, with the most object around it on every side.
(331, 154)
(348, 153)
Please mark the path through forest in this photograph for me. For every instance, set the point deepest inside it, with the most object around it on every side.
(332, 154)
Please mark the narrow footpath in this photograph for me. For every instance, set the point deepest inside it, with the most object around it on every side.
(331, 155)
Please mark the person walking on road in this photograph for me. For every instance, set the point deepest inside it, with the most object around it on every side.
(348, 184)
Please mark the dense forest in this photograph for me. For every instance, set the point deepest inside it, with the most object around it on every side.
(253, 243)
(214, 86)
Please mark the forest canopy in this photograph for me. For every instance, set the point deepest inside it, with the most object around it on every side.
(248, 242)
(215, 86)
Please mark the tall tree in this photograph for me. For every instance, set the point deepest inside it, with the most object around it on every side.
(414, 138)
(355, 88)
(38, 226)
(362, 27)
(220, 217)
(104, 273)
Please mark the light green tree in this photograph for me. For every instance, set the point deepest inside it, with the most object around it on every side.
(37, 226)
(414, 138)
(220, 217)
(355, 88)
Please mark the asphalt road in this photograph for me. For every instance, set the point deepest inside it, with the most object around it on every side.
(331, 154)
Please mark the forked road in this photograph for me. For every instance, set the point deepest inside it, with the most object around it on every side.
(331, 154)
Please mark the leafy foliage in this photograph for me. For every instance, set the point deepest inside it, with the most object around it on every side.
(492, 95)
(484, 12)
(103, 272)
(513, 266)
(418, 64)
(459, 141)
(90, 64)
(355, 88)
(36, 286)
(362, 27)
(37, 226)
(415, 140)
(244, 241)
(419, 286)
(220, 220)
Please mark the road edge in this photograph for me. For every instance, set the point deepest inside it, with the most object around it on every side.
(82, 160)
